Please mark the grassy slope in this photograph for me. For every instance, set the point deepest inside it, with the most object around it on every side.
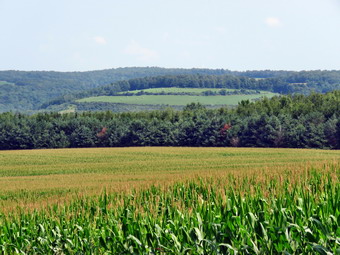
(176, 99)
(31, 177)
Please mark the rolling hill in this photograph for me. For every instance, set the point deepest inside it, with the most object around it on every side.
(55, 91)
(26, 91)
(173, 90)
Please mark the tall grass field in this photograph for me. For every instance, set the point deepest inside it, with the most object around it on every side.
(169, 201)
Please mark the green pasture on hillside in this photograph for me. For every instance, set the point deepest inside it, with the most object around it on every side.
(176, 99)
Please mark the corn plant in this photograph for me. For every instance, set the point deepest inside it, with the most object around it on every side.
(201, 216)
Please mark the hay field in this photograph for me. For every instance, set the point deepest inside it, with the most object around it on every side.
(32, 178)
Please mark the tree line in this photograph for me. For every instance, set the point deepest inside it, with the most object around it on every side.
(297, 82)
(294, 121)
(221, 92)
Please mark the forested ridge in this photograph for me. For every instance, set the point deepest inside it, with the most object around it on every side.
(295, 121)
(38, 90)
(27, 90)
(297, 82)
(288, 83)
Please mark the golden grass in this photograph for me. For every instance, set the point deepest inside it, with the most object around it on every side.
(33, 178)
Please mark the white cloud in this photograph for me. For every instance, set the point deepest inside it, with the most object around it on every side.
(142, 53)
(273, 22)
(100, 40)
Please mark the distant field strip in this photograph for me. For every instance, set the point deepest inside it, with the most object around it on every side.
(176, 99)
(29, 176)
(6, 83)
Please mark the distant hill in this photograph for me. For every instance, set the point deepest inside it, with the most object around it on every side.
(24, 91)
(47, 90)
(280, 83)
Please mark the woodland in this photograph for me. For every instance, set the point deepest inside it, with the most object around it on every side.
(291, 121)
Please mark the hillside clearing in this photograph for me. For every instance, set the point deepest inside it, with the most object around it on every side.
(176, 99)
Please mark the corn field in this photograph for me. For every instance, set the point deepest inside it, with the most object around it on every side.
(281, 214)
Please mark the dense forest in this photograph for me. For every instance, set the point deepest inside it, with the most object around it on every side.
(295, 121)
(32, 91)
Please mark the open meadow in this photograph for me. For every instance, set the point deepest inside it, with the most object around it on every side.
(157, 200)
(176, 99)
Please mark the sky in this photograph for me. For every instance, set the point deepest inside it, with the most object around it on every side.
(82, 35)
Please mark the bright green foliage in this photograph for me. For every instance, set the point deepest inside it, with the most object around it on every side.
(206, 216)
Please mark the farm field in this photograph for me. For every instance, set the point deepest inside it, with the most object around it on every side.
(176, 99)
(155, 200)
(38, 174)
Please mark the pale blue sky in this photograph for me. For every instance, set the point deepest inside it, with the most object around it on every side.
(79, 35)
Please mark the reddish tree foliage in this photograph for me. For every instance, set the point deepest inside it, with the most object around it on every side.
(102, 133)
(225, 129)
